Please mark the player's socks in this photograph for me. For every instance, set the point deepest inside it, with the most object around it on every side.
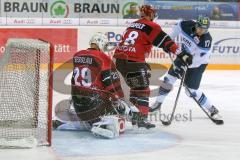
(207, 105)
(163, 92)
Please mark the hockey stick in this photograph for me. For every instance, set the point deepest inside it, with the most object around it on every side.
(111, 97)
(166, 123)
(216, 121)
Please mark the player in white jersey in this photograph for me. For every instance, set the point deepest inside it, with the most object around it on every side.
(195, 39)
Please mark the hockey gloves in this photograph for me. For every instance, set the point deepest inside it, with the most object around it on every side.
(185, 57)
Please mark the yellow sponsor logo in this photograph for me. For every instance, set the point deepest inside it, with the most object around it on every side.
(205, 21)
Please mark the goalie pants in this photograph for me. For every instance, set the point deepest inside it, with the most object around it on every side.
(89, 104)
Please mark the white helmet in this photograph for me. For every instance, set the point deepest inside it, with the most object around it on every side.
(100, 40)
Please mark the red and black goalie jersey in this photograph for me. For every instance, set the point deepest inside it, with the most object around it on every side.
(94, 69)
(139, 38)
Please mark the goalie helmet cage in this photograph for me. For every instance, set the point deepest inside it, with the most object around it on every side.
(26, 93)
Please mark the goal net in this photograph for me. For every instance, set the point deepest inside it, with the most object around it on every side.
(25, 94)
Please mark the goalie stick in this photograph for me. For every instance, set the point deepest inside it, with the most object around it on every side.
(122, 103)
(216, 121)
(128, 106)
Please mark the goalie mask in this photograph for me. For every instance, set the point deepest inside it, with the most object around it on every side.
(100, 40)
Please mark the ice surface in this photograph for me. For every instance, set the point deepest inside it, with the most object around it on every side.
(195, 139)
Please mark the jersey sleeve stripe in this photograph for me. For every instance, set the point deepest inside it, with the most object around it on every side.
(159, 39)
(106, 77)
(164, 38)
(169, 45)
(160, 44)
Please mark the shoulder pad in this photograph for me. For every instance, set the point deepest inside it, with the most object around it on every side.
(187, 24)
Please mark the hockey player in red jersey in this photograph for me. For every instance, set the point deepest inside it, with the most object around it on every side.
(96, 90)
(136, 44)
(94, 69)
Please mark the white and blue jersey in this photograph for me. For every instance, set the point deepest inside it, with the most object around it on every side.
(199, 47)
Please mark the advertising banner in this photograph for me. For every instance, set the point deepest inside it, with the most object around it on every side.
(227, 11)
(225, 45)
(61, 12)
(67, 12)
(111, 12)
(64, 40)
(67, 41)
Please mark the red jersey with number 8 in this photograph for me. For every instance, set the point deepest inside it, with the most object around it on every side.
(138, 39)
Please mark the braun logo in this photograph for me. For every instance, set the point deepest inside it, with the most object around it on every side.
(40, 7)
(96, 8)
(25, 7)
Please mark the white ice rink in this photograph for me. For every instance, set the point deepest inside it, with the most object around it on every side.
(195, 139)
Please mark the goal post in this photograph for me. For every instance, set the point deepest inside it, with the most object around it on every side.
(26, 93)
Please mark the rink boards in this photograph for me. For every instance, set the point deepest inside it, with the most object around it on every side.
(68, 40)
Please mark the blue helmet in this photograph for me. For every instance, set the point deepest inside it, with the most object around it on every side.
(203, 22)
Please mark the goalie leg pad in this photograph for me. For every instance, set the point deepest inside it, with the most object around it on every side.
(101, 132)
(109, 127)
